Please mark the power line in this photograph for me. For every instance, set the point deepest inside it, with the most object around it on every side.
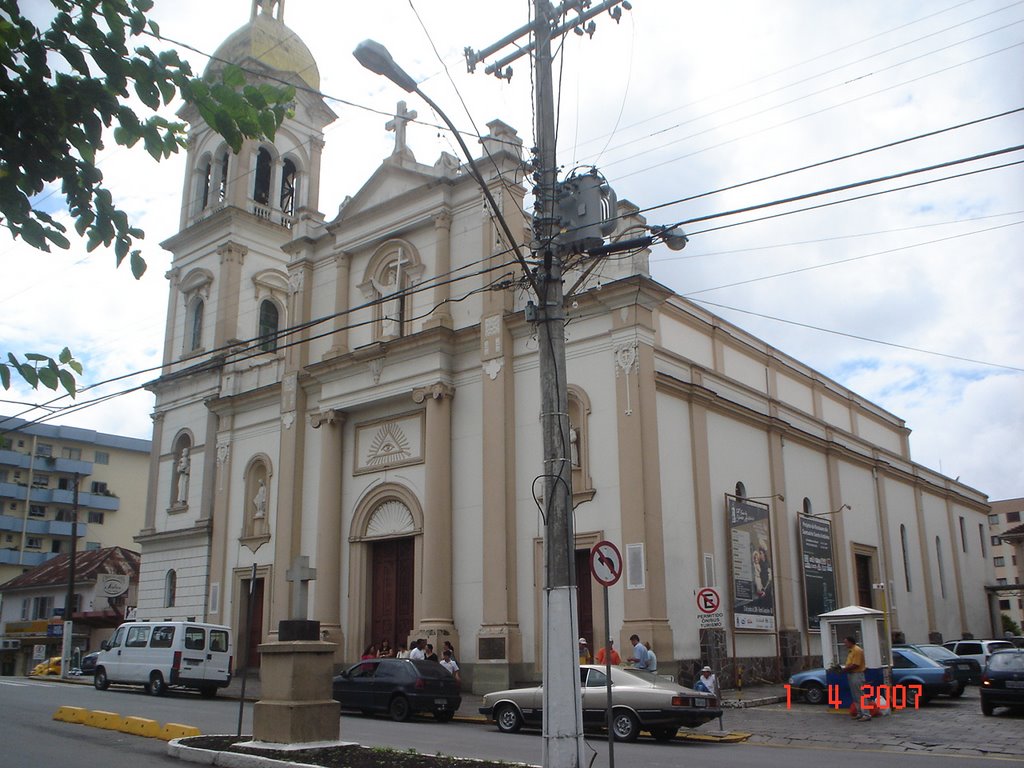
(859, 337)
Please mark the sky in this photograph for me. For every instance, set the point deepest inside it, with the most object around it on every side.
(911, 298)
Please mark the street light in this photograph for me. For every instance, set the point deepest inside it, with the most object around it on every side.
(376, 58)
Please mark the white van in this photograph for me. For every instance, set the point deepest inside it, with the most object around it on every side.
(162, 654)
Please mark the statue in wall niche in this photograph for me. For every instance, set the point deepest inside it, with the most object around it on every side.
(574, 446)
(260, 501)
(183, 466)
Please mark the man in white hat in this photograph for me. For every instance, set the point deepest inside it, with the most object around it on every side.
(707, 682)
(585, 657)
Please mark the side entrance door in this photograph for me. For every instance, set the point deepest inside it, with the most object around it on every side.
(392, 585)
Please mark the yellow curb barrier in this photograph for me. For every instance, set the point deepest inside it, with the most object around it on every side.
(178, 731)
(141, 726)
(735, 737)
(71, 714)
(110, 721)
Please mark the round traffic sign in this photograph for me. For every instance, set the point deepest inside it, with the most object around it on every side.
(708, 600)
(606, 563)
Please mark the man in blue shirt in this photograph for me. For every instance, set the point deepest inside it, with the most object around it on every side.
(640, 657)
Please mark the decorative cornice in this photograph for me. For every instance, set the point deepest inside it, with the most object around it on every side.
(330, 416)
(437, 391)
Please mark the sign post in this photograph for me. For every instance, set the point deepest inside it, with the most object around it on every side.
(710, 614)
(606, 566)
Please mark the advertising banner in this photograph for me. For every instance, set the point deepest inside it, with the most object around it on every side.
(819, 568)
(753, 585)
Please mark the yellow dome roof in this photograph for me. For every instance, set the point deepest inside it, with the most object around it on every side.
(272, 44)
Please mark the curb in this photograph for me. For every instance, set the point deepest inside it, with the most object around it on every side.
(180, 751)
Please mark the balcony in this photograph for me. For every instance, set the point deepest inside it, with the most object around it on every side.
(60, 496)
(45, 464)
(30, 558)
(36, 527)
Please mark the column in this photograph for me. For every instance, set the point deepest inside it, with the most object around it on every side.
(327, 587)
(232, 255)
(342, 319)
(173, 276)
(442, 316)
(219, 579)
(646, 610)
(154, 473)
(435, 605)
(312, 201)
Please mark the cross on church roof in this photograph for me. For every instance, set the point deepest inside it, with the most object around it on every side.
(397, 124)
(300, 574)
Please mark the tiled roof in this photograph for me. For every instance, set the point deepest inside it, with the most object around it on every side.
(88, 565)
(1017, 530)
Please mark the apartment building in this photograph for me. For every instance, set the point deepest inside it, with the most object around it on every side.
(1007, 515)
(39, 464)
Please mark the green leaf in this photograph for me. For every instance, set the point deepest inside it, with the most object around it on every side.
(48, 377)
(75, 366)
(233, 76)
(5, 376)
(28, 373)
(36, 357)
(68, 382)
(138, 264)
(65, 356)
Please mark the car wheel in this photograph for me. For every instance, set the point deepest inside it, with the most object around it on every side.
(99, 680)
(987, 708)
(667, 733)
(443, 715)
(625, 726)
(508, 719)
(957, 692)
(399, 709)
(814, 693)
(156, 685)
(208, 692)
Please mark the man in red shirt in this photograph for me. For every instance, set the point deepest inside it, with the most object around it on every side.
(616, 659)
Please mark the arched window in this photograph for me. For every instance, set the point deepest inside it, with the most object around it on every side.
(289, 188)
(808, 507)
(261, 182)
(741, 490)
(906, 556)
(195, 337)
(170, 588)
(942, 570)
(269, 319)
(205, 179)
(222, 177)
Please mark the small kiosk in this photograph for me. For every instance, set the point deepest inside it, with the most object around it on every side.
(868, 626)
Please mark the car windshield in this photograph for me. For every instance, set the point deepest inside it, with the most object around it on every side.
(1004, 662)
(916, 659)
(937, 652)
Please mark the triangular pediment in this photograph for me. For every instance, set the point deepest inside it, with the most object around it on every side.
(395, 178)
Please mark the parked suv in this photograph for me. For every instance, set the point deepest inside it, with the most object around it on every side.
(979, 650)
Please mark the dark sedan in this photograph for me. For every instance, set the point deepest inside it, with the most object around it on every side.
(965, 670)
(89, 663)
(398, 687)
(1002, 682)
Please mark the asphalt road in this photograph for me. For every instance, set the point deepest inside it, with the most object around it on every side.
(29, 737)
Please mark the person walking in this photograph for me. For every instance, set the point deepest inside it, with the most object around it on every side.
(601, 657)
(449, 663)
(854, 669)
(419, 652)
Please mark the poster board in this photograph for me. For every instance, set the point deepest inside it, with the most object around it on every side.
(753, 581)
(817, 562)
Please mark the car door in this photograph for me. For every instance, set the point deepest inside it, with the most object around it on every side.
(218, 657)
(134, 658)
(193, 655)
(594, 688)
(111, 661)
(356, 690)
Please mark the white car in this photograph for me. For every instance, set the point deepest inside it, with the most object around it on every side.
(640, 701)
(979, 650)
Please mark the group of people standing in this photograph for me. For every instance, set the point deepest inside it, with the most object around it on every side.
(643, 658)
(421, 650)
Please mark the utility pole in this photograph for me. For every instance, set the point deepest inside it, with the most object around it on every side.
(69, 600)
(563, 722)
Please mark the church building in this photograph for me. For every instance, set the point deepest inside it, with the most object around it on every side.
(349, 414)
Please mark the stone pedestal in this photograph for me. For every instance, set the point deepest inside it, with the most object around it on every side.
(296, 706)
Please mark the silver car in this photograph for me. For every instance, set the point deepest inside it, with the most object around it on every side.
(640, 701)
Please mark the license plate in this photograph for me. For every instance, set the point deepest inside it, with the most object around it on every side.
(443, 703)
(963, 666)
(700, 702)
(1015, 683)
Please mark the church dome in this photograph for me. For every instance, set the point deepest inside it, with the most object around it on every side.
(269, 42)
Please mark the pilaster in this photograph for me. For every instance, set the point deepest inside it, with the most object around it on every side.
(232, 256)
(341, 320)
(442, 316)
(327, 588)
